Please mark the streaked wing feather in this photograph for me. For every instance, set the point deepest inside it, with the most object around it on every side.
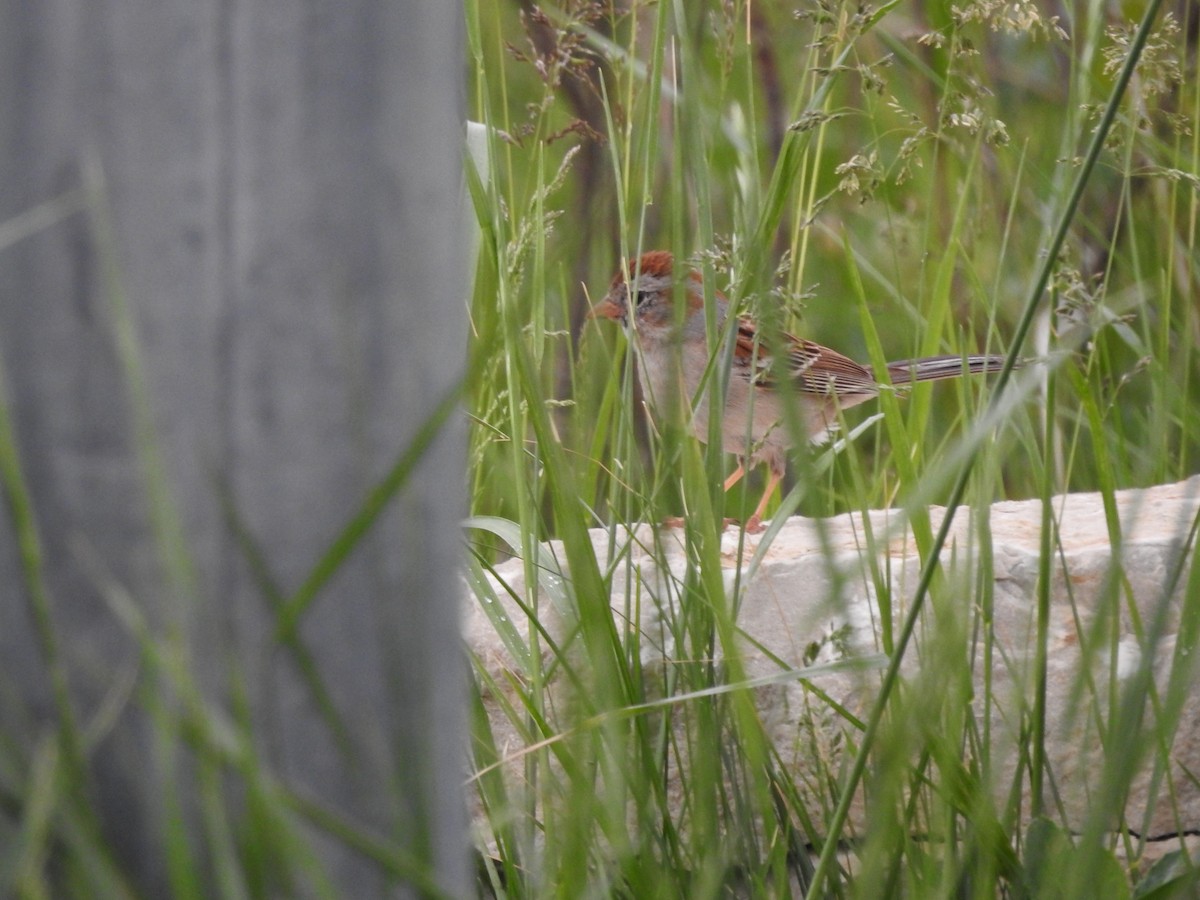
(812, 368)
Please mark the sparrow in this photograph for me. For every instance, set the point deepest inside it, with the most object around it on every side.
(673, 354)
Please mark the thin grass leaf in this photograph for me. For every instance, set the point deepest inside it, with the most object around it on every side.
(372, 508)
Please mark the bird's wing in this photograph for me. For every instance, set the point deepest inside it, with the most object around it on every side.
(809, 367)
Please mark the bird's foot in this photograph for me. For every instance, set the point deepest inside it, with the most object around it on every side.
(755, 525)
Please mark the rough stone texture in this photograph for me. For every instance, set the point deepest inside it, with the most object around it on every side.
(803, 610)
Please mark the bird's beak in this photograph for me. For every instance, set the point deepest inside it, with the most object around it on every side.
(607, 309)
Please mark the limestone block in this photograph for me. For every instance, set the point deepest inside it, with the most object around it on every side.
(814, 596)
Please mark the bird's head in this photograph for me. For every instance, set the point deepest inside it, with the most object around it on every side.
(646, 293)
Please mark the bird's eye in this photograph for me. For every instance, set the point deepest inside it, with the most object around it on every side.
(642, 297)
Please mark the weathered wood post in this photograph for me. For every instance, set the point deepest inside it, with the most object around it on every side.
(230, 301)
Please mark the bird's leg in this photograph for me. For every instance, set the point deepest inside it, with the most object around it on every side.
(736, 476)
(754, 524)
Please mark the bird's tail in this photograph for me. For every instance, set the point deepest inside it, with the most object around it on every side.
(932, 368)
